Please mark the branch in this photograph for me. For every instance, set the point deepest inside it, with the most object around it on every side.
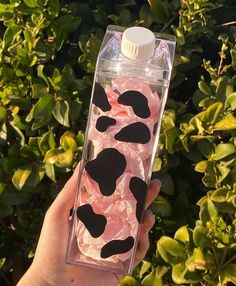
(169, 22)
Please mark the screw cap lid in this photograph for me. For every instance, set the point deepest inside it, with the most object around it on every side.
(138, 43)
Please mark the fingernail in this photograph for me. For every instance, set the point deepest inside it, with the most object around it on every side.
(152, 219)
(156, 183)
(149, 212)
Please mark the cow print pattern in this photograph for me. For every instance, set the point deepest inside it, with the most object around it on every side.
(117, 247)
(136, 132)
(139, 189)
(95, 223)
(138, 102)
(110, 164)
(106, 169)
(104, 122)
(100, 98)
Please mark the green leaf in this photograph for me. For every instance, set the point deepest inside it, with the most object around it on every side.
(2, 187)
(128, 281)
(178, 272)
(180, 36)
(61, 112)
(3, 113)
(5, 210)
(223, 150)
(44, 106)
(170, 137)
(168, 119)
(68, 141)
(211, 114)
(2, 262)
(46, 142)
(182, 204)
(167, 183)
(40, 122)
(51, 156)
(161, 271)
(204, 88)
(160, 10)
(223, 173)
(152, 280)
(146, 265)
(161, 207)
(182, 234)
(204, 214)
(80, 138)
(41, 74)
(180, 275)
(200, 237)
(59, 158)
(3, 134)
(65, 159)
(39, 90)
(227, 273)
(220, 195)
(231, 101)
(145, 16)
(7, 8)
(53, 7)
(13, 197)
(212, 210)
(50, 171)
(205, 147)
(233, 57)
(228, 123)
(201, 166)
(64, 25)
(20, 177)
(35, 177)
(28, 36)
(157, 164)
(10, 35)
(196, 261)
(171, 250)
(19, 134)
(75, 109)
(31, 3)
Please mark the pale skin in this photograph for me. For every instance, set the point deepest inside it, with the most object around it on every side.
(49, 268)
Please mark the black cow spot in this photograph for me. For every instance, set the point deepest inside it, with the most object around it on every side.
(95, 223)
(117, 247)
(135, 133)
(104, 122)
(100, 98)
(137, 101)
(106, 169)
(139, 190)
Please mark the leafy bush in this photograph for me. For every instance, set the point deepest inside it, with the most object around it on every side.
(48, 52)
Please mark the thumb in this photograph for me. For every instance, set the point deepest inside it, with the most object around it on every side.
(65, 199)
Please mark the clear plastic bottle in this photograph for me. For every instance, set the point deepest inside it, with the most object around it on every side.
(129, 93)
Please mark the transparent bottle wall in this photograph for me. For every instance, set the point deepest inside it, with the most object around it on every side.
(120, 145)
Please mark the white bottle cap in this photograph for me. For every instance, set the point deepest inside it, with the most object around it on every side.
(138, 43)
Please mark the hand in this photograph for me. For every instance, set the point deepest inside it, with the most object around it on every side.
(49, 268)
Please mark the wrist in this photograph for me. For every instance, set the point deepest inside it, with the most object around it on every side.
(32, 278)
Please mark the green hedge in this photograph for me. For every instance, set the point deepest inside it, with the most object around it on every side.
(48, 51)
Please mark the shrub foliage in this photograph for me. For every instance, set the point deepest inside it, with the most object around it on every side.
(48, 51)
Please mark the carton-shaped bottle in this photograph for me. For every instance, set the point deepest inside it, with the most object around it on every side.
(128, 97)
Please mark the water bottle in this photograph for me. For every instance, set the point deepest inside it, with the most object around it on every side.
(129, 93)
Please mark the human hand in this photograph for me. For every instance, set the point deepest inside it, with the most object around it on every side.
(49, 267)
